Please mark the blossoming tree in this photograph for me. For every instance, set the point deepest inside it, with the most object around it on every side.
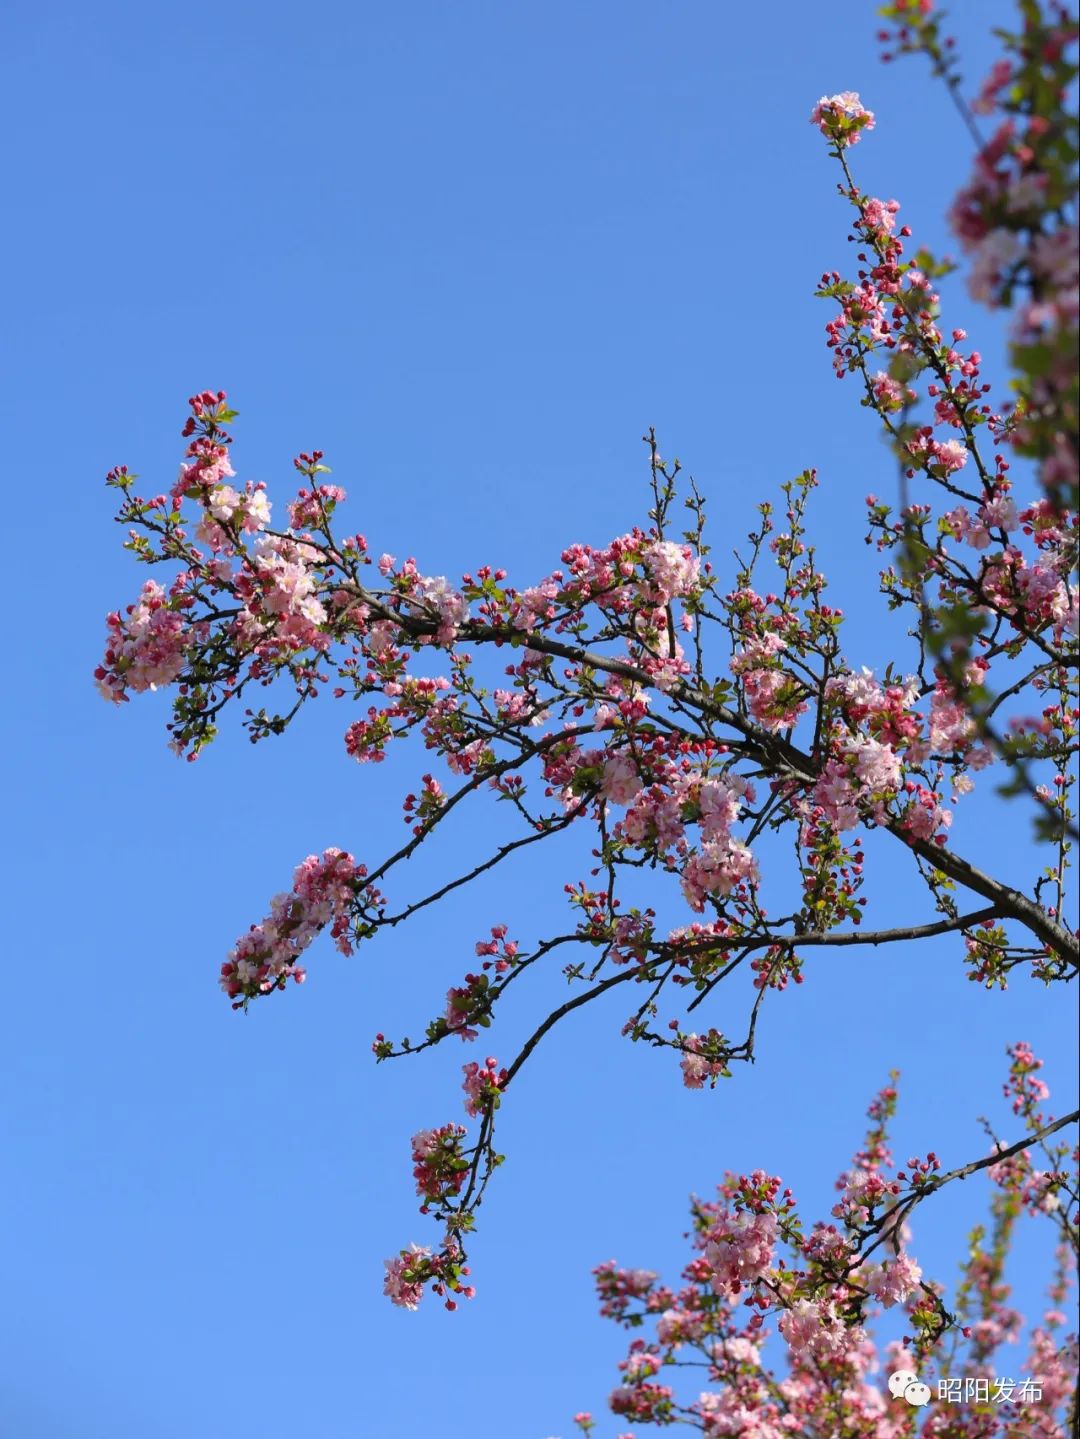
(704, 723)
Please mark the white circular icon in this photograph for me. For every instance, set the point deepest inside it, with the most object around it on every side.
(904, 1384)
(899, 1381)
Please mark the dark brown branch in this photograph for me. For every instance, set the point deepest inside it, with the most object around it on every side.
(779, 755)
(892, 1218)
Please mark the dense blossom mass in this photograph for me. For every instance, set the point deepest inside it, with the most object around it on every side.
(761, 1287)
(732, 773)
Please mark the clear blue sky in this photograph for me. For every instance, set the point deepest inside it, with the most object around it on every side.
(471, 251)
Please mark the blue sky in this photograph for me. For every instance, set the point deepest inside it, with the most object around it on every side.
(471, 251)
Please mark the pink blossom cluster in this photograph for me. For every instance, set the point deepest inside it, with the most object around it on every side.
(716, 869)
(738, 1249)
(647, 1402)
(822, 1297)
(323, 893)
(229, 511)
(466, 1005)
(147, 647)
(1024, 1088)
(483, 1085)
(408, 1272)
(978, 530)
(618, 1287)
(815, 1332)
(315, 506)
(923, 817)
(206, 466)
(616, 577)
(658, 814)
(450, 607)
(502, 951)
(703, 1060)
(887, 711)
(672, 569)
(439, 1167)
(620, 780)
(285, 582)
(775, 698)
(741, 1412)
(841, 118)
(938, 457)
(367, 739)
(859, 778)
(893, 1281)
(865, 1189)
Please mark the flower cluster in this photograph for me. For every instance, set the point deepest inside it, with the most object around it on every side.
(753, 1261)
(739, 1249)
(484, 1084)
(591, 701)
(147, 646)
(323, 893)
(409, 1272)
(704, 1059)
(439, 1167)
(842, 118)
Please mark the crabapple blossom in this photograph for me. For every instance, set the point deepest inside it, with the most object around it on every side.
(727, 767)
(322, 894)
(893, 1281)
(841, 117)
(483, 1085)
(146, 649)
(825, 1305)
(739, 1249)
(672, 570)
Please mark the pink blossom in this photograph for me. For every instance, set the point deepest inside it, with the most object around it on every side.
(322, 894)
(680, 1326)
(672, 570)
(311, 507)
(287, 585)
(466, 1005)
(987, 99)
(402, 1286)
(654, 817)
(700, 1063)
(951, 726)
(647, 1402)
(946, 456)
(731, 1413)
(451, 607)
(621, 781)
(814, 1332)
(146, 649)
(841, 117)
(717, 868)
(438, 1165)
(890, 394)
(1000, 513)
(893, 1281)
(880, 214)
(924, 818)
(483, 1085)
(223, 502)
(739, 1249)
